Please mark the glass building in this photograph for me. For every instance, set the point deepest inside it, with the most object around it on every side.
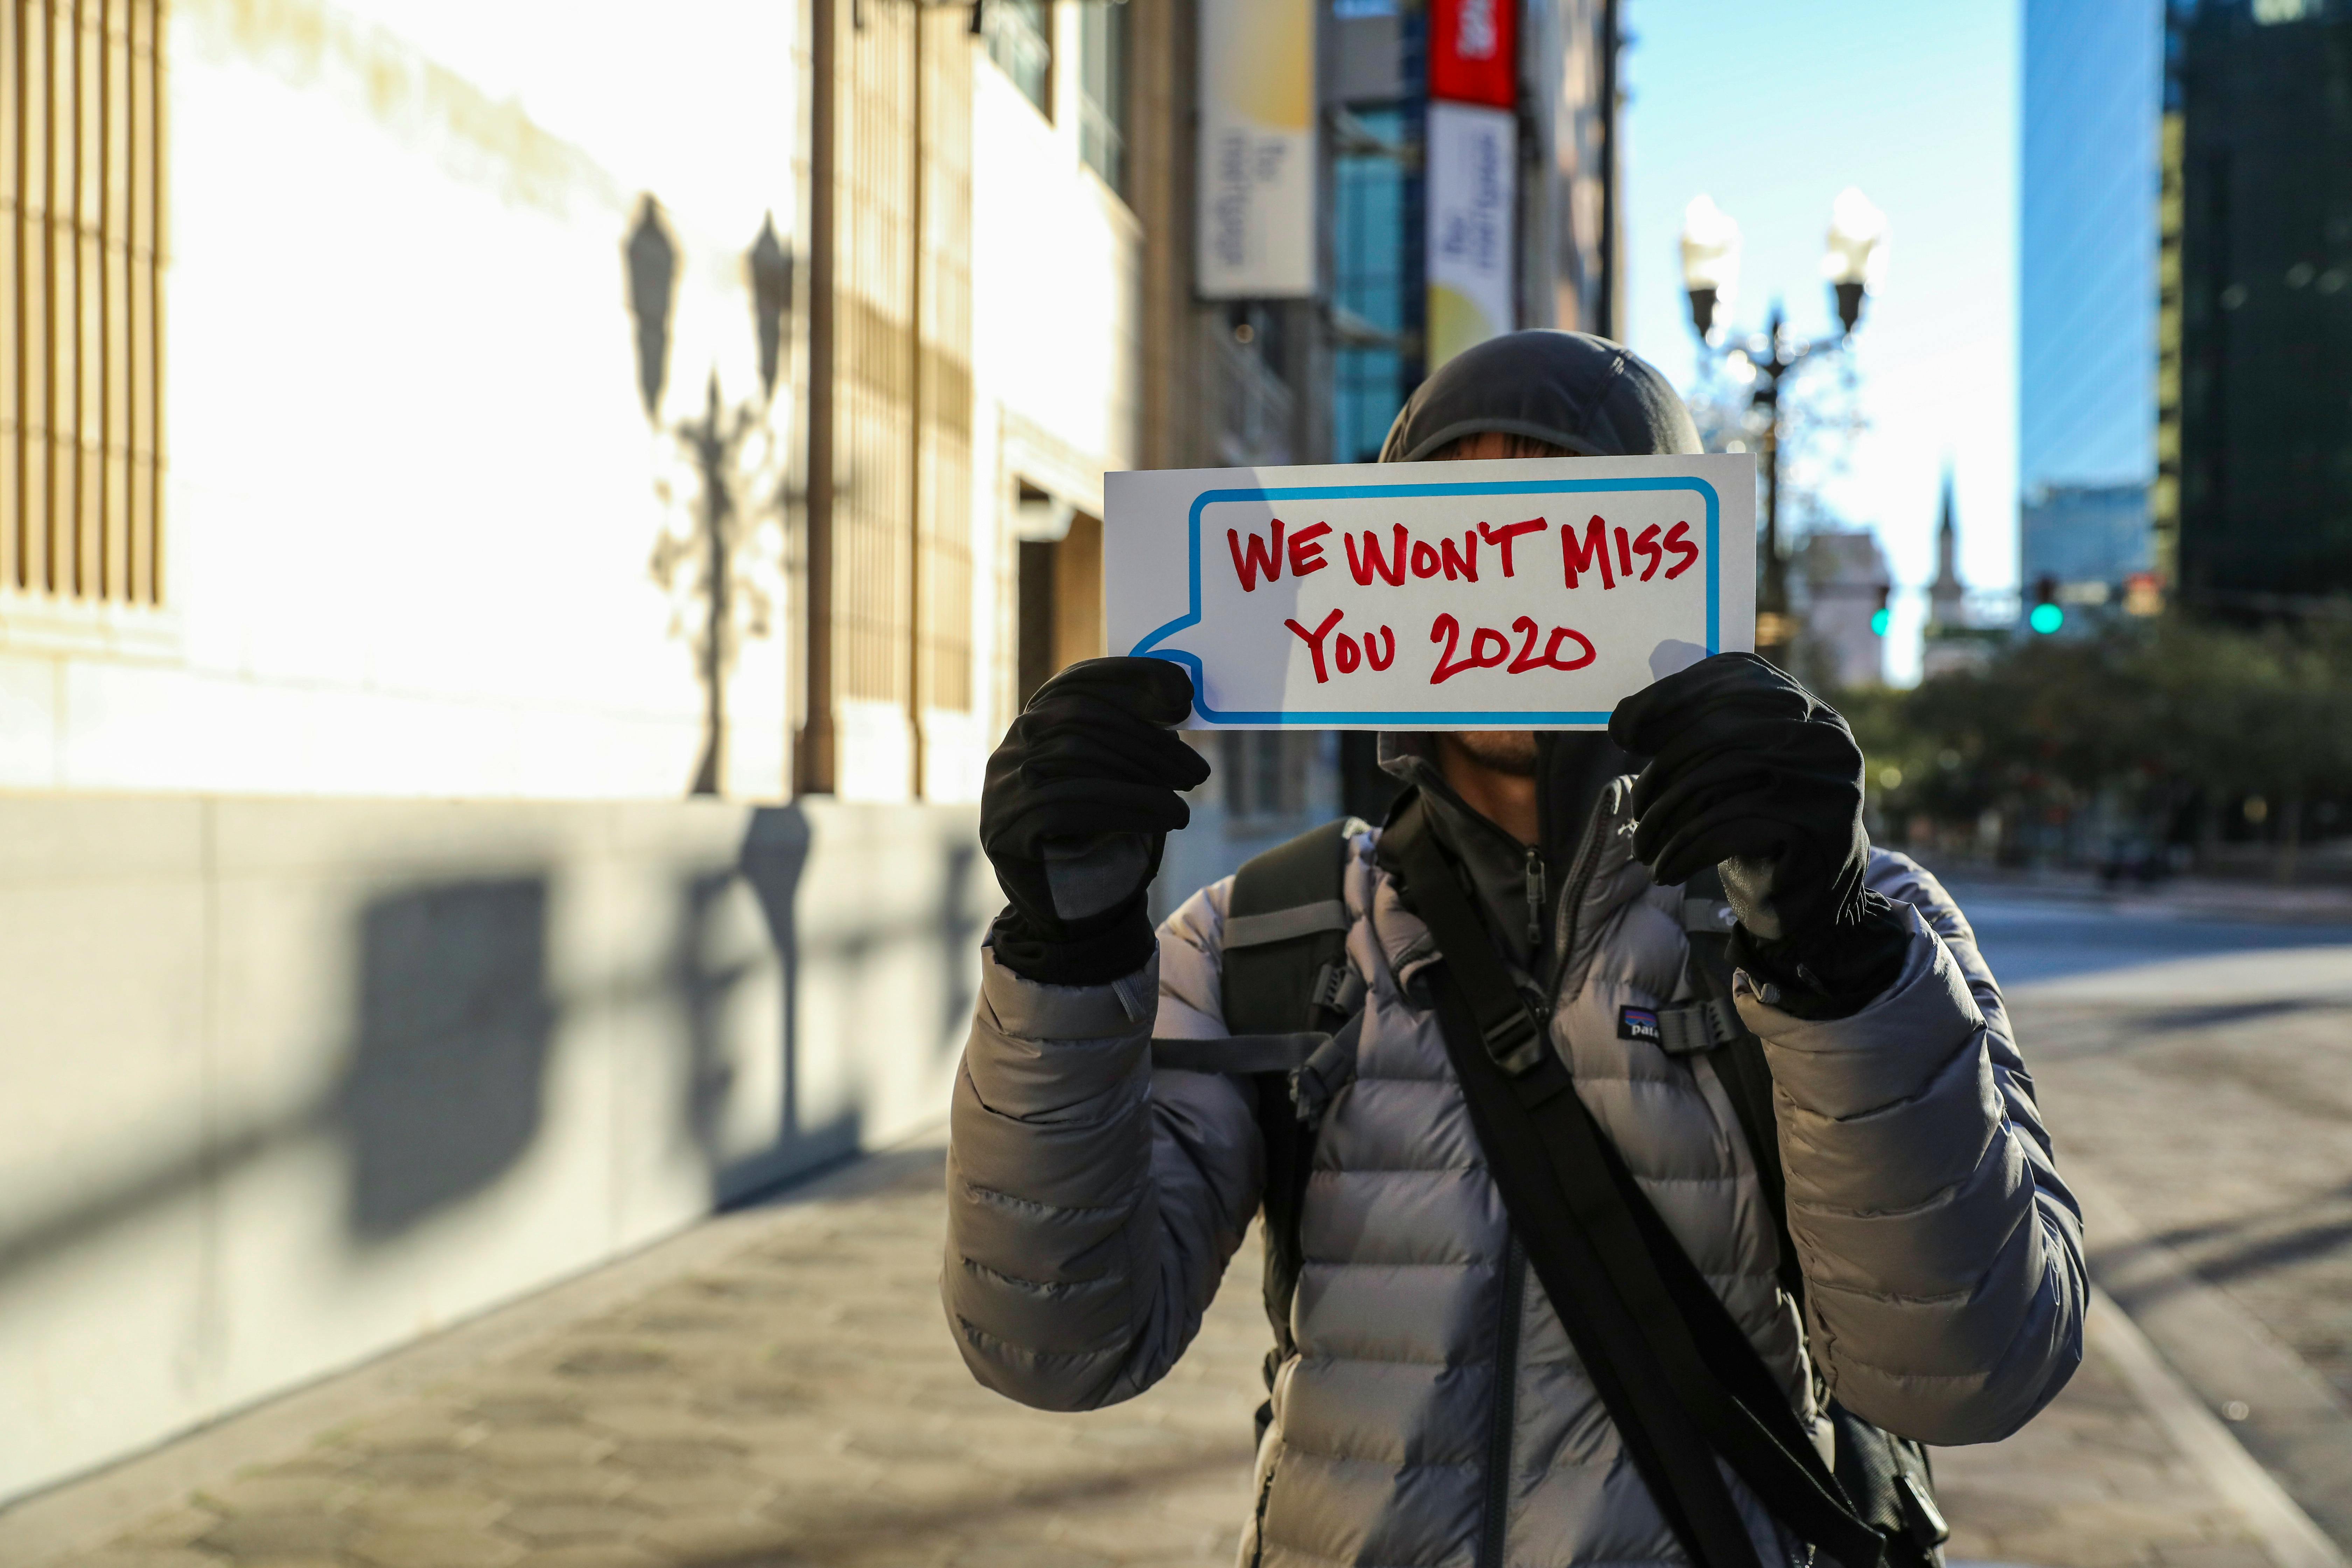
(1377, 108)
(2087, 288)
(2258, 168)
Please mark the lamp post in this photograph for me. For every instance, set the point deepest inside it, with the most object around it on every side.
(1854, 264)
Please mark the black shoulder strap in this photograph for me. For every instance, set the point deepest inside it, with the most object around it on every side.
(1738, 1056)
(1679, 1379)
(1285, 969)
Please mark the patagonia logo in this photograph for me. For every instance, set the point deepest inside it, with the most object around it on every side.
(1639, 1023)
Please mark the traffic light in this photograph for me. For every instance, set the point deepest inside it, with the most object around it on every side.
(2047, 615)
(1880, 616)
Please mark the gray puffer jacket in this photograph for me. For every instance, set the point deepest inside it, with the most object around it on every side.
(1093, 1203)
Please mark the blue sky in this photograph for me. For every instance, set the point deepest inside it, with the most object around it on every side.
(1772, 109)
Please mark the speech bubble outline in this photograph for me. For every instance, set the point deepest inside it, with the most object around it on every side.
(1145, 647)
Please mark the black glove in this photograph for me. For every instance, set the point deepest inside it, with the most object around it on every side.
(1752, 773)
(1078, 802)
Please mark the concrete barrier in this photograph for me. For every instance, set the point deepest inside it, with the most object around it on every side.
(285, 1083)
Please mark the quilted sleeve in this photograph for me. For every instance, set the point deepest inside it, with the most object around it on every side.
(1943, 1256)
(1092, 1203)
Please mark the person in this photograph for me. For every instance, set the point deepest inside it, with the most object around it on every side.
(1431, 1410)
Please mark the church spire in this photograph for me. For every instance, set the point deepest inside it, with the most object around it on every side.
(1946, 594)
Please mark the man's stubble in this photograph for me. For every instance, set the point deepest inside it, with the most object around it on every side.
(1511, 752)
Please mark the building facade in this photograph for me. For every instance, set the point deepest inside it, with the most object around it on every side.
(2087, 284)
(2257, 413)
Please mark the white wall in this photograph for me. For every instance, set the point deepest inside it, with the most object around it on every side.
(1057, 334)
(413, 496)
(286, 1083)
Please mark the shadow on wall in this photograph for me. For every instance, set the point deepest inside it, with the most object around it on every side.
(457, 1025)
(447, 1084)
(775, 854)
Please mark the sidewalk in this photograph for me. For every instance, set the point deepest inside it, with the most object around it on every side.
(776, 1389)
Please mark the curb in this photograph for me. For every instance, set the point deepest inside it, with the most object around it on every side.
(2286, 1531)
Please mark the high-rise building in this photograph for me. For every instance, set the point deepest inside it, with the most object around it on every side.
(2087, 243)
(2256, 411)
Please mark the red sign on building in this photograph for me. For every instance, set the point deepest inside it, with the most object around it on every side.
(1473, 51)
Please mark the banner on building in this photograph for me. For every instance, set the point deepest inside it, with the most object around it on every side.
(1473, 52)
(1257, 175)
(1473, 182)
(1528, 593)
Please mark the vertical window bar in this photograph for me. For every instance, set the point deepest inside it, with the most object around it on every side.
(89, 299)
(65, 325)
(33, 297)
(114, 256)
(12, 216)
(146, 241)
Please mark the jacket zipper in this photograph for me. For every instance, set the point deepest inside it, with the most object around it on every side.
(1535, 876)
(1265, 1495)
(1496, 1522)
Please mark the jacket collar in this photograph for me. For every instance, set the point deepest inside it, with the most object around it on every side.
(1611, 879)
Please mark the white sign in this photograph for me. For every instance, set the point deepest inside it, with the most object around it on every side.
(1256, 174)
(1526, 594)
(1473, 162)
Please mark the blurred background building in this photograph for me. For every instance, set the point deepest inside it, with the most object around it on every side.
(2087, 280)
(496, 654)
(2185, 358)
(2257, 149)
(1840, 591)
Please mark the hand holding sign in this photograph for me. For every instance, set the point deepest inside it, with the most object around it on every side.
(1414, 596)
(1076, 804)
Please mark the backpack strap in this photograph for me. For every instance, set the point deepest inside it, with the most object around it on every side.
(1284, 965)
(1283, 971)
(1680, 1380)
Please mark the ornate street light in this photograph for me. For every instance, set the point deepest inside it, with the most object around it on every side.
(1854, 264)
(1711, 263)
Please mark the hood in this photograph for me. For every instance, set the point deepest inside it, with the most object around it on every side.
(1583, 393)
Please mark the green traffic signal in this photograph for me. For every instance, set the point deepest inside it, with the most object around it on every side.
(2046, 618)
(1878, 619)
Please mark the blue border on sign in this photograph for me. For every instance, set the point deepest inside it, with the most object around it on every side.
(1358, 720)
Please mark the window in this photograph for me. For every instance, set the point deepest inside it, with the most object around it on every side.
(1103, 90)
(1060, 617)
(80, 240)
(1377, 255)
(1021, 41)
(1264, 774)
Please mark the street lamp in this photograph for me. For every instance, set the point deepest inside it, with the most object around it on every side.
(1855, 263)
(1711, 263)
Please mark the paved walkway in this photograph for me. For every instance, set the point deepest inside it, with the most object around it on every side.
(2204, 1106)
(777, 1389)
